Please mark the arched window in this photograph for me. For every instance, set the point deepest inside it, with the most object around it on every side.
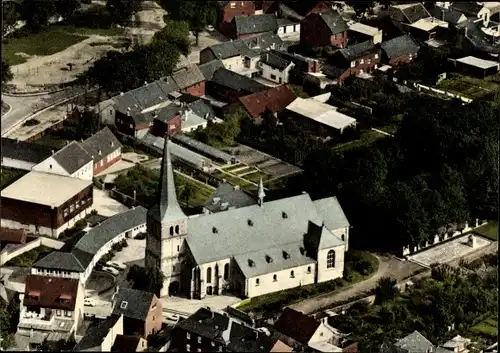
(226, 272)
(275, 278)
(209, 275)
(330, 259)
(292, 274)
(171, 230)
(177, 229)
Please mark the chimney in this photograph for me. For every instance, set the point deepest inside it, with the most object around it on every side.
(442, 15)
(52, 152)
(185, 115)
(100, 152)
(121, 93)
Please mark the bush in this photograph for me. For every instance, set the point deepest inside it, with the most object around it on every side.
(141, 236)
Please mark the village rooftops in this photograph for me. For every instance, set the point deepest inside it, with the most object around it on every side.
(227, 196)
(101, 144)
(355, 51)
(255, 24)
(415, 342)
(237, 82)
(274, 100)
(72, 157)
(188, 76)
(334, 22)
(427, 24)
(477, 62)
(132, 303)
(51, 292)
(24, 151)
(208, 69)
(95, 334)
(226, 50)
(413, 12)
(399, 46)
(45, 189)
(275, 61)
(296, 325)
(362, 28)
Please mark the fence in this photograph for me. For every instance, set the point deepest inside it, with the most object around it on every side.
(7, 255)
(442, 93)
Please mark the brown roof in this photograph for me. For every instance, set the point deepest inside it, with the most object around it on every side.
(188, 76)
(50, 292)
(296, 325)
(275, 100)
(126, 343)
(281, 347)
(16, 236)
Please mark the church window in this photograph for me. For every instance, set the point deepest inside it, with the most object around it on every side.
(330, 259)
(171, 230)
(177, 229)
(209, 275)
(226, 272)
(275, 278)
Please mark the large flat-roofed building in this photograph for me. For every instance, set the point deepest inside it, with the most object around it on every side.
(44, 203)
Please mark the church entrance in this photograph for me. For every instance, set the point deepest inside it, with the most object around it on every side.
(173, 288)
(209, 290)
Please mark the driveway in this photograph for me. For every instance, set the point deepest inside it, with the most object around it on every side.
(388, 267)
(105, 205)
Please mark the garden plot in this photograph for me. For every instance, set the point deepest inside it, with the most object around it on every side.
(471, 87)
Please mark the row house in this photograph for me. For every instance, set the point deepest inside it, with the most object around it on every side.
(190, 80)
(167, 121)
(248, 26)
(356, 60)
(323, 29)
(228, 86)
(228, 10)
(399, 50)
(104, 148)
(274, 68)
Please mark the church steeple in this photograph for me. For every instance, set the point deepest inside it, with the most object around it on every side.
(260, 193)
(167, 204)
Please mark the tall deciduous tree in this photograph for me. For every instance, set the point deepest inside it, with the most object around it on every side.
(386, 290)
(66, 8)
(176, 33)
(10, 15)
(122, 10)
(6, 72)
(37, 13)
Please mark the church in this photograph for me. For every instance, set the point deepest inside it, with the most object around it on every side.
(247, 251)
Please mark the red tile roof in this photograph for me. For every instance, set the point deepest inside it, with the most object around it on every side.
(16, 236)
(50, 292)
(275, 100)
(296, 325)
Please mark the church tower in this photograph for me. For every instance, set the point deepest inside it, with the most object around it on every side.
(166, 229)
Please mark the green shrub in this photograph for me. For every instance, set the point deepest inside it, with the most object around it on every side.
(141, 236)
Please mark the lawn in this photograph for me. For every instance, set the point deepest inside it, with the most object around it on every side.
(8, 176)
(201, 194)
(489, 230)
(30, 257)
(487, 327)
(469, 86)
(367, 138)
(243, 170)
(230, 168)
(255, 177)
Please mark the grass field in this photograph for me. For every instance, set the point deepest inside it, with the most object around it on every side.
(487, 327)
(489, 230)
(201, 191)
(470, 87)
(366, 139)
(8, 176)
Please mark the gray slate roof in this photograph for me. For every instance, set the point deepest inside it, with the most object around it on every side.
(202, 109)
(103, 141)
(400, 46)
(188, 76)
(255, 24)
(63, 261)
(230, 49)
(149, 95)
(24, 151)
(227, 194)
(208, 69)
(233, 228)
(98, 236)
(201, 147)
(334, 22)
(357, 50)
(468, 8)
(275, 61)
(330, 210)
(72, 157)
(138, 303)
(95, 334)
(415, 342)
(264, 41)
(237, 82)
(450, 15)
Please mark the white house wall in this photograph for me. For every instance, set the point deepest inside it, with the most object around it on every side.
(342, 231)
(213, 283)
(86, 172)
(116, 330)
(267, 71)
(51, 166)
(283, 280)
(328, 274)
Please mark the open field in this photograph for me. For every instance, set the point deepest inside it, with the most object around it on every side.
(487, 327)
(470, 87)
(489, 230)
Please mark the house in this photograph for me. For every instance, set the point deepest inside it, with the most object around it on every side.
(208, 68)
(270, 262)
(190, 80)
(473, 10)
(429, 29)
(359, 32)
(248, 26)
(318, 117)
(101, 335)
(167, 121)
(323, 29)
(453, 17)
(23, 155)
(136, 125)
(399, 50)
(81, 259)
(276, 69)
(476, 67)
(45, 204)
(474, 37)
(302, 64)
(356, 59)
(51, 308)
(227, 10)
(265, 6)
(273, 100)
(227, 197)
(415, 342)
(210, 331)
(288, 27)
(312, 333)
(72, 160)
(104, 148)
(142, 311)
(457, 344)
(263, 42)
(297, 10)
(129, 344)
(408, 13)
(235, 56)
(228, 86)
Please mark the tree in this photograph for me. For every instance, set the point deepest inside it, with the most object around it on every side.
(6, 72)
(66, 8)
(37, 13)
(122, 10)
(187, 193)
(176, 33)
(199, 14)
(386, 290)
(10, 15)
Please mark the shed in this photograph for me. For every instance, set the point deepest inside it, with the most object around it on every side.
(477, 67)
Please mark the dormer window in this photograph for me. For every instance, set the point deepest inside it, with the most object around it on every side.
(35, 295)
(284, 215)
(250, 222)
(251, 263)
(269, 259)
(286, 255)
(302, 250)
(124, 305)
(65, 298)
(214, 230)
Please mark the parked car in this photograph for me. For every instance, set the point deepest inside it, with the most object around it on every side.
(117, 265)
(111, 270)
(88, 302)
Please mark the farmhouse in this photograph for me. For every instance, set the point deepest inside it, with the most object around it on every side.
(322, 29)
(104, 148)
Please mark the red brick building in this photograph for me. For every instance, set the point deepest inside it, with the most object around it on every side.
(167, 121)
(300, 9)
(133, 125)
(323, 29)
(44, 203)
(190, 80)
(399, 50)
(105, 148)
(228, 86)
(229, 9)
(355, 60)
(273, 100)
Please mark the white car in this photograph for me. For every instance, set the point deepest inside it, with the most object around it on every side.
(88, 302)
(111, 270)
(117, 265)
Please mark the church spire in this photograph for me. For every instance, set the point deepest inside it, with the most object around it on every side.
(260, 192)
(168, 206)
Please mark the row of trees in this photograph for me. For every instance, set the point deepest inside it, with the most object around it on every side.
(430, 306)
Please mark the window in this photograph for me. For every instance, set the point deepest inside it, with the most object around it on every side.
(292, 274)
(171, 230)
(68, 313)
(308, 269)
(362, 61)
(275, 278)
(50, 166)
(58, 312)
(178, 247)
(330, 259)
(198, 350)
(199, 339)
(111, 111)
(257, 282)
(72, 207)
(188, 336)
(226, 272)
(123, 305)
(369, 61)
(342, 237)
(131, 126)
(273, 77)
(213, 344)
(233, 5)
(37, 229)
(188, 347)
(65, 213)
(209, 275)
(220, 348)
(353, 63)
(177, 229)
